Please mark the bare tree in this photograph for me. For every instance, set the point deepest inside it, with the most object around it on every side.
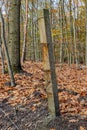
(6, 50)
(25, 34)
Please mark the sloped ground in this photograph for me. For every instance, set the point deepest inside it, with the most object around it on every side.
(24, 107)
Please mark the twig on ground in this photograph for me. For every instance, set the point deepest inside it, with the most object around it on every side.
(9, 119)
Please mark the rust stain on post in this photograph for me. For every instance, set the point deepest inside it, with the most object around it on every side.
(45, 57)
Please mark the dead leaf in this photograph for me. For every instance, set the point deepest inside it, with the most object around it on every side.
(52, 129)
(85, 112)
(33, 108)
(82, 128)
(73, 120)
(83, 93)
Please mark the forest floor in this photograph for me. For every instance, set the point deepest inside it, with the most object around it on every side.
(24, 107)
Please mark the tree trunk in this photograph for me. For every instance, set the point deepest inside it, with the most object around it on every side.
(25, 34)
(2, 57)
(74, 33)
(86, 33)
(14, 34)
(6, 51)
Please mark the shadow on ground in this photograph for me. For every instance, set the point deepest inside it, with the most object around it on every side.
(20, 117)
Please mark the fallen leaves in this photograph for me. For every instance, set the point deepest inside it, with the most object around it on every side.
(73, 83)
(30, 90)
(31, 87)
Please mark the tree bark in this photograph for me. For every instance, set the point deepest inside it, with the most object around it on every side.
(86, 33)
(6, 51)
(14, 34)
(25, 34)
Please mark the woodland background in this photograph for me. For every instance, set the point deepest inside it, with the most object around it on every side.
(68, 23)
(25, 106)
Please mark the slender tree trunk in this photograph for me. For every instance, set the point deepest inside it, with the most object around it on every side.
(71, 35)
(25, 34)
(6, 51)
(68, 51)
(74, 33)
(2, 57)
(86, 33)
(61, 43)
(32, 28)
(7, 22)
(1, 53)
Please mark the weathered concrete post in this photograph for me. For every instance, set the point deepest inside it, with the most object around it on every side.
(48, 62)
